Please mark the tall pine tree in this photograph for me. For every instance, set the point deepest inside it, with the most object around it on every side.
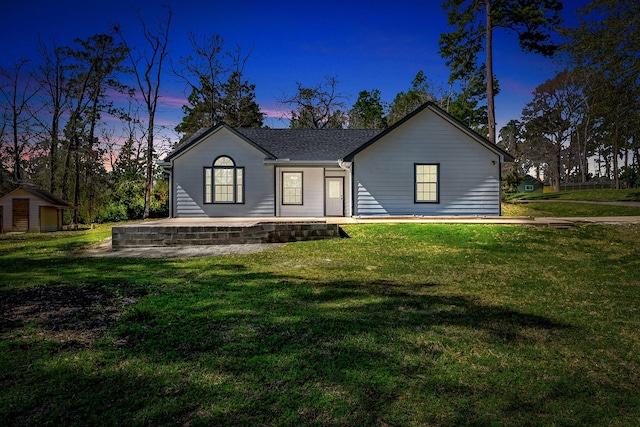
(475, 21)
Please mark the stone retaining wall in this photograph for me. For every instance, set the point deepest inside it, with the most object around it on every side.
(149, 235)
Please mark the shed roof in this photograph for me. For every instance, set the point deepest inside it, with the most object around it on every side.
(45, 196)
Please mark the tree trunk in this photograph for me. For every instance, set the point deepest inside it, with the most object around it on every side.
(584, 154)
(17, 176)
(53, 151)
(616, 135)
(490, 95)
(149, 182)
(76, 188)
(558, 170)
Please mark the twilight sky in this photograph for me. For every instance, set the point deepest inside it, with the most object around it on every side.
(366, 44)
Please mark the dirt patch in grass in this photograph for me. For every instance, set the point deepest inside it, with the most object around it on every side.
(73, 317)
(103, 249)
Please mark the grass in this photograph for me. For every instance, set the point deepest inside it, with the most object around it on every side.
(568, 209)
(406, 324)
(626, 195)
(559, 210)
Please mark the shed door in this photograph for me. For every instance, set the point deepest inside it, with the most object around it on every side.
(21, 214)
(334, 196)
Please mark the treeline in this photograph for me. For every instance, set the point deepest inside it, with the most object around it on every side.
(584, 124)
(80, 120)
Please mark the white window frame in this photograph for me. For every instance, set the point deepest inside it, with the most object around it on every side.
(428, 178)
(292, 195)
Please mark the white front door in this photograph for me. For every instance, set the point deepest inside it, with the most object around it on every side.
(334, 196)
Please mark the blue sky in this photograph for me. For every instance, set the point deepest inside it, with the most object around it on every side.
(364, 44)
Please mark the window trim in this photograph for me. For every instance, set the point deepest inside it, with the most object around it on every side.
(282, 181)
(211, 185)
(415, 183)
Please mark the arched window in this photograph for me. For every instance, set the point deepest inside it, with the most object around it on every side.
(224, 182)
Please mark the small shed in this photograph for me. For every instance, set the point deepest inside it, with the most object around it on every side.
(31, 209)
(530, 184)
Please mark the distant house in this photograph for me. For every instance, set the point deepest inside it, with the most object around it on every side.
(530, 184)
(426, 164)
(30, 209)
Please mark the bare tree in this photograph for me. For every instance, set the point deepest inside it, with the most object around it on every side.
(52, 77)
(216, 89)
(18, 88)
(128, 157)
(147, 67)
(3, 127)
(318, 107)
(203, 72)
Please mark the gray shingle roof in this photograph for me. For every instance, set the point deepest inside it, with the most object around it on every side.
(309, 144)
(49, 198)
(324, 144)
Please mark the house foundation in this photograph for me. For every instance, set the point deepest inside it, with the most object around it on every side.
(143, 235)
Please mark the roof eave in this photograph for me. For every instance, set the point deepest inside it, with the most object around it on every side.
(188, 144)
(504, 156)
(288, 162)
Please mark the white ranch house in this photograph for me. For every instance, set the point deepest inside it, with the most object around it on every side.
(428, 164)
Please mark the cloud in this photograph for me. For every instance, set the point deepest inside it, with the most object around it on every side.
(275, 112)
(173, 101)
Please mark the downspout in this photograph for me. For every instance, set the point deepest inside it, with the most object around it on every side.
(167, 167)
(171, 201)
(499, 187)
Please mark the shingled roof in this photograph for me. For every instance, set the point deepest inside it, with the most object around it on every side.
(308, 144)
(45, 196)
(324, 144)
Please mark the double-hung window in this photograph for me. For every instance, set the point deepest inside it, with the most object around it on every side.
(427, 183)
(224, 182)
(291, 188)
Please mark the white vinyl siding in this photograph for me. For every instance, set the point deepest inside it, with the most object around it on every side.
(254, 186)
(384, 172)
(312, 192)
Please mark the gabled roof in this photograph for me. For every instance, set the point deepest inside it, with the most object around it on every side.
(323, 144)
(45, 196)
(204, 133)
(292, 144)
(446, 116)
(309, 144)
(531, 178)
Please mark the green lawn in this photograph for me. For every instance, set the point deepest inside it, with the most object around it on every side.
(626, 195)
(568, 209)
(403, 324)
